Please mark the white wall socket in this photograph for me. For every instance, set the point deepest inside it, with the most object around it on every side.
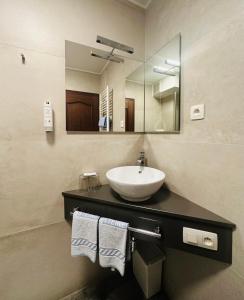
(198, 112)
(200, 238)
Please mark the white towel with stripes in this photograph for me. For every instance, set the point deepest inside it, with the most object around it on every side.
(84, 235)
(112, 244)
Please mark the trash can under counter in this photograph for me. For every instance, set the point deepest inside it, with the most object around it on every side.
(147, 267)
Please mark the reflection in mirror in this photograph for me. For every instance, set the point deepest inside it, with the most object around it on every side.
(135, 96)
(100, 96)
(162, 89)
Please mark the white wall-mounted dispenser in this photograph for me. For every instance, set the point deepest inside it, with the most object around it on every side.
(48, 116)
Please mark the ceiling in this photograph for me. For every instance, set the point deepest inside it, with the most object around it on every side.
(143, 4)
(77, 57)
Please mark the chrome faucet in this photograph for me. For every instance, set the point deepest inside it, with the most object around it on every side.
(141, 161)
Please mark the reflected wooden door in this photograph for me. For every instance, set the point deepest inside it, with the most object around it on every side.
(82, 111)
(129, 114)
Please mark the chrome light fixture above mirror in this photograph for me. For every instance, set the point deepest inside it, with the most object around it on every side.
(107, 56)
(110, 55)
(164, 71)
(114, 45)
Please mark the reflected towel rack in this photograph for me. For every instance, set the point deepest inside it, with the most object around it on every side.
(106, 108)
(156, 233)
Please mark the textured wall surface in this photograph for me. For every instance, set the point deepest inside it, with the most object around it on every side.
(82, 81)
(36, 167)
(205, 162)
(135, 91)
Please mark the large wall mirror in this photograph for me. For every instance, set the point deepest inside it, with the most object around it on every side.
(123, 94)
(162, 89)
(100, 96)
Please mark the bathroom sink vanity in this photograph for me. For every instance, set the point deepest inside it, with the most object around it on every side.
(172, 220)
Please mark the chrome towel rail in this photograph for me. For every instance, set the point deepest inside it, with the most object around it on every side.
(156, 233)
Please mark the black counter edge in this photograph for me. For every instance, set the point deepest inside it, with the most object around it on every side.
(228, 225)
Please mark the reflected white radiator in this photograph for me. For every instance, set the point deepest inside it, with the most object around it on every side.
(106, 108)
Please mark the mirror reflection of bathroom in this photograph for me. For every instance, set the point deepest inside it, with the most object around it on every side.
(134, 99)
(162, 89)
(99, 98)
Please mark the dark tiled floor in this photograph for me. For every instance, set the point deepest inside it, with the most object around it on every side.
(118, 288)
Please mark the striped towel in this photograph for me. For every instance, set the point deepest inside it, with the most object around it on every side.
(112, 244)
(84, 235)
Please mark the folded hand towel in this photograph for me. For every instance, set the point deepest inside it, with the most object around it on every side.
(84, 235)
(102, 122)
(112, 244)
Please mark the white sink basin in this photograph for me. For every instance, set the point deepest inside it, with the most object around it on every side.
(135, 183)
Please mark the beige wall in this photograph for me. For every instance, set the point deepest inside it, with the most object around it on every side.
(82, 81)
(205, 162)
(135, 91)
(153, 110)
(160, 113)
(36, 167)
(167, 112)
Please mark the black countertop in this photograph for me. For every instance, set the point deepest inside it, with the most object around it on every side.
(164, 202)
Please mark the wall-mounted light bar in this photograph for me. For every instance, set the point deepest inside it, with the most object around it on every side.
(173, 63)
(107, 56)
(114, 45)
(163, 71)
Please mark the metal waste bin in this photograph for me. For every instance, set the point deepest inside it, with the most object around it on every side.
(147, 267)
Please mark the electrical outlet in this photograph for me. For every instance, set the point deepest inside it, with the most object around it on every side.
(200, 238)
(198, 112)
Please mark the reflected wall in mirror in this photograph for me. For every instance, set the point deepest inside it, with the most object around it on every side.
(100, 96)
(162, 89)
